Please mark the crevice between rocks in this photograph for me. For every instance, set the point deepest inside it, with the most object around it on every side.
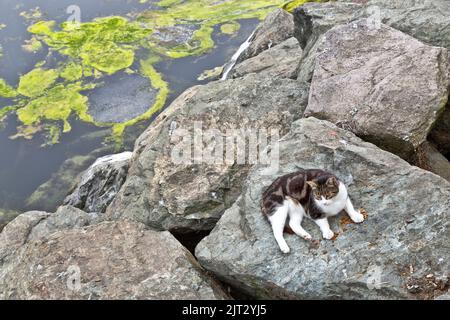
(190, 240)
(434, 154)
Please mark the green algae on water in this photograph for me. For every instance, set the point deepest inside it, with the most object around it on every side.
(211, 74)
(46, 98)
(291, 5)
(35, 82)
(230, 28)
(206, 14)
(32, 14)
(57, 104)
(33, 45)
(106, 44)
(6, 91)
(72, 72)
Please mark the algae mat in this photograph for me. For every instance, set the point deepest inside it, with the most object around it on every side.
(107, 45)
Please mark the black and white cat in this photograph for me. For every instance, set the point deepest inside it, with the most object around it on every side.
(313, 193)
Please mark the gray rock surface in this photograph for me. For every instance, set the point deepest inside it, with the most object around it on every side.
(280, 61)
(311, 21)
(440, 134)
(183, 197)
(379, 83)
(34, 225)
(429, 158)
(276, 28)
(112, 260)
(424, 20)
(444, 297)
(65, 218)
(400, 251)
(99, 184)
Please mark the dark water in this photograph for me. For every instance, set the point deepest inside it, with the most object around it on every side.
(24, 164)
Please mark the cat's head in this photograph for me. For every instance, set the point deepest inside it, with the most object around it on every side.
(324, 189)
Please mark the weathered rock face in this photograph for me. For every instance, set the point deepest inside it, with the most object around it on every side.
(192, 196)
(100, 183)
(424, 20)
(111, 260)
(38, 224)
(400, 251)
(276, 28)
(379, 83)
(311, 21)
(429, 158)
(280, 61)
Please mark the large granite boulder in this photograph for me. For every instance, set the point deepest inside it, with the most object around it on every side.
(34, 225)
(400, 251)
(424, 20)
(192, 195)
(277, 27)
(68, 259)
(380, 83)
(311, 21)
(99, 184)
(280, 61)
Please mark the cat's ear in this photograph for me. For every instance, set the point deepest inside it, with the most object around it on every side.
(332, 182)
(312, 184)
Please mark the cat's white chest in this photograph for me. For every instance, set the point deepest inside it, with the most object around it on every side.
(338, 203)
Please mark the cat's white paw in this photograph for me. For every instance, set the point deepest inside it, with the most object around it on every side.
(285, 249)
(306, 236)
(328, 234)
(357, 217)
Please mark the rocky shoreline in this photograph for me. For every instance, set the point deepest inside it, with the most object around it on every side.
(360, 89)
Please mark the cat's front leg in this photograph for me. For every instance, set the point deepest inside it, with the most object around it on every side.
(327, 233)
(356, 216)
